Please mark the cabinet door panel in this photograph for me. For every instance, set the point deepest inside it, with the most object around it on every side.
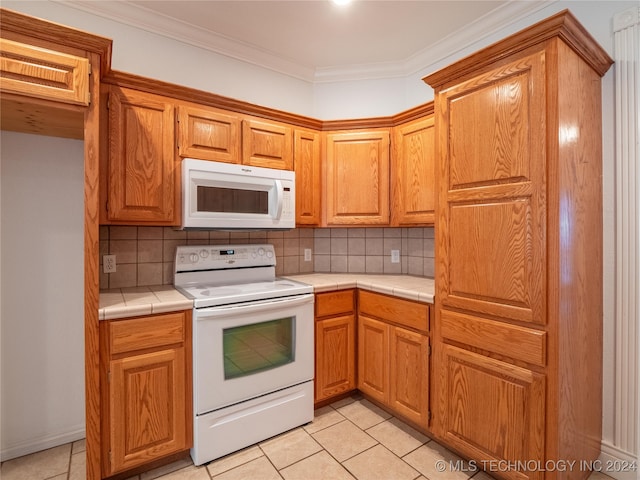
(409, 376)
(335, 303)
(267, 145)
(413, 174)
(335, 356)
(208, 135)
(306, 153)
(373, 358)
(492, 198)
(489, 122)
(494, 410)
(148, 407)
(43, 73)
(491, 265)
(143, 178)
(357, 178)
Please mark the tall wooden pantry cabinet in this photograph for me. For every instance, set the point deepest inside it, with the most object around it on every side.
(518, 332)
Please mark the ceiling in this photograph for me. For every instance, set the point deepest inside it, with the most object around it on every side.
(317, 40)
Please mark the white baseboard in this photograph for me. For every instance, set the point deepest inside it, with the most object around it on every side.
(617, 463)
(41, 443)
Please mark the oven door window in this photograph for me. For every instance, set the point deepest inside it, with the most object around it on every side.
(257, 347)
(232, 200)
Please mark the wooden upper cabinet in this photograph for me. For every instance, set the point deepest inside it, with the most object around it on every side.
(308, 168)
(493, 211)
(267, 144)
(143, 175)
(413, 173)
(357, 178)
(209, 134)
(43, 73)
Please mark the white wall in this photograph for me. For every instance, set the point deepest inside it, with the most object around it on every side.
(41, 296)
(154, 56)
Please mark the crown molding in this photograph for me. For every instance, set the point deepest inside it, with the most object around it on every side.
(150, 21)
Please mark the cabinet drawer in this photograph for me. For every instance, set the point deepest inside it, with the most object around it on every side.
(396, 310)
(42, 73)
(147, 332)
(334, 303)
(513, 341)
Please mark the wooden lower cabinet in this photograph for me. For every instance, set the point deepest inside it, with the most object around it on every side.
(147, 413)
(494, 412)
(373, 358)
(409, 374)
(393, 354)
(335, 344)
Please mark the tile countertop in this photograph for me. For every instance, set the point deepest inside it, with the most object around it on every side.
(137, 301)
(405, 286)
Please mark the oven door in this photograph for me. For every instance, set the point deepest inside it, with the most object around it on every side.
(245, 350)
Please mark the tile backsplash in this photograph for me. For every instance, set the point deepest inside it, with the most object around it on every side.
(145, 255)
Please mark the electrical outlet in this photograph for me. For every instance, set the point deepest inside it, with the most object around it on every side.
(109, 263)
(307, 254)
(395, 256)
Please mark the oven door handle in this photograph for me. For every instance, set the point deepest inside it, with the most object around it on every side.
(262, 306)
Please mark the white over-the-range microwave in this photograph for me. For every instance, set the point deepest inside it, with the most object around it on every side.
(229, 196)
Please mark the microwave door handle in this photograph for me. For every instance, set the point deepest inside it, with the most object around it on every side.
(279, 199)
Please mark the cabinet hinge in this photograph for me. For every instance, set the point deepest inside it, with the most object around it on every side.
(429, 350)
(90, 69)
(89, 98)
(428, 417)
(109, 381)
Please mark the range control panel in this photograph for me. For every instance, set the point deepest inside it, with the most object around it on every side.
(219, 257)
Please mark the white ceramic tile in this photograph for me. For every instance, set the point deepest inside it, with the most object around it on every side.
(260, 468)
(323, 417)
(378, 463)
(289, 448)
(234, 460)
(397, 436)
(344, 440)
(320, 466)
(435, 461)
(39, 465)
(364, 413)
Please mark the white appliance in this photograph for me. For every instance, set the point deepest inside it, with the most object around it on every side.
(253, 347)
(230, 196)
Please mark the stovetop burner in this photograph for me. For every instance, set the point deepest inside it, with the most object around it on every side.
(222, 275)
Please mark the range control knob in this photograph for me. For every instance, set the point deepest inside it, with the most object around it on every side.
(204, 253)
(194, 257)
(261, 251)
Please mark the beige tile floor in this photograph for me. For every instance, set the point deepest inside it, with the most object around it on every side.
(349, 439)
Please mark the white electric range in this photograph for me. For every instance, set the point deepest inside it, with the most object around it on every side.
(253, 346)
